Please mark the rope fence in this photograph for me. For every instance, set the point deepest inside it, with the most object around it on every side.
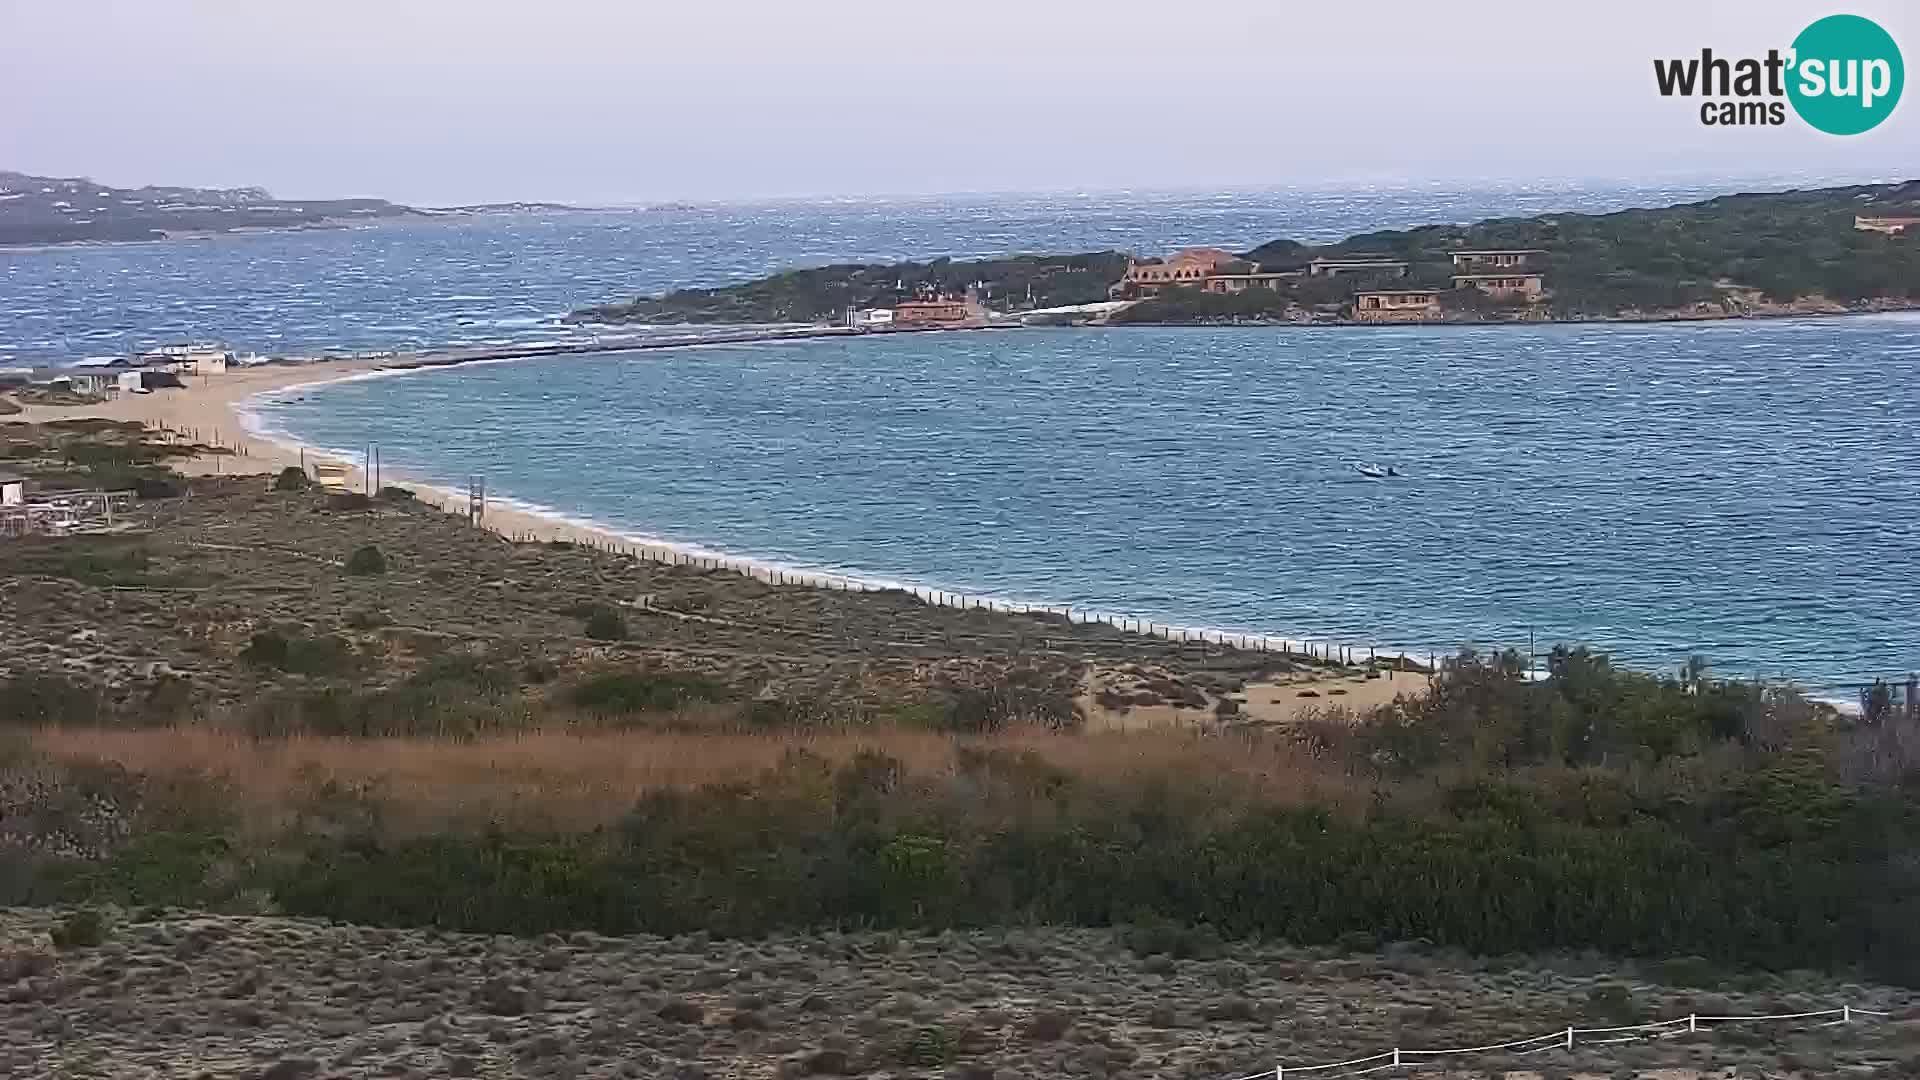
(1328, 652)
(1567, 1038)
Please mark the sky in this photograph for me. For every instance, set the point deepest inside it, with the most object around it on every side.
(438, 102)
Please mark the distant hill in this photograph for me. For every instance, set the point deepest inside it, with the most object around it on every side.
(826, 291)
(1785, 246)
(1738, 254)
(64, 210)
(38, 210)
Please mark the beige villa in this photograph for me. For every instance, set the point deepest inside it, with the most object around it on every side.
(1473, 260)
(1239, 283)
(1502, 286)
(1359, 264)
(1188, 268)
(1390, 305)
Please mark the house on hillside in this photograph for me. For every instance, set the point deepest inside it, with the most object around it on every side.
(1502, 286)
(1188, 268)
(1239, 283)
(1396, 305)
(1356, 264)
(13, 489)
(1476, 260)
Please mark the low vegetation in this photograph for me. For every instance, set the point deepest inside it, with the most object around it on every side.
(1599, 810)
(825, 293)
(449, 745)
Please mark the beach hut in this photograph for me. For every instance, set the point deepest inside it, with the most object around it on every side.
(333, 476)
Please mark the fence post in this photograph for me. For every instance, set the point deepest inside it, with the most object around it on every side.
(1693, 1023)
(1396, 1057)
(1569, 1038)
(1846, 1014)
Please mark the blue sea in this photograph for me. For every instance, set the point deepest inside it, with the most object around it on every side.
(1742, 490)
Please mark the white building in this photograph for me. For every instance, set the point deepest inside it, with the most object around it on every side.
(13, 489)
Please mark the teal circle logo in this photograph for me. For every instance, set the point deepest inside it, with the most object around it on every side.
(1846, 75)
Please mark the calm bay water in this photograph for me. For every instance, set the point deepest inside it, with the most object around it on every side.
(1743, 490)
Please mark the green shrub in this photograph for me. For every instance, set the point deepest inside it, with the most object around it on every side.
(605, 623)
(84, 929)
(1151, 934)
(366, 560)
(266, 649)
(37, 699)
(368, 619)
(643, 691)
(929, 1047)
(393, 494)
(328, 655)
(1612, 1002)
(291, 478)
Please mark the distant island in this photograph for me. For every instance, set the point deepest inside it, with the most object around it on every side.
(43, 210)
(1828, 250)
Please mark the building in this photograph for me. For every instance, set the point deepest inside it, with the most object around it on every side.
(1357, 264)
(13, 489)
(1502, 285)
(197, 359)
(1239, 283)
(1187, 268)
(869, 318)
(930, 312)
(1495, 258)
(1388, 305)
(84, 384)
(1892, 226)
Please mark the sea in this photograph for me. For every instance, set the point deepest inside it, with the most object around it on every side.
(1743, 491)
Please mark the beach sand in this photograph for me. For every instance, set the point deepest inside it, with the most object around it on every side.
(209, 411)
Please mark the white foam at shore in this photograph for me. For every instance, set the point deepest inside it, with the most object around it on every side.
(772, 569)
(834, 578)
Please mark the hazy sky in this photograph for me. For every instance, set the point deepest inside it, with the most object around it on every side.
(441, 101)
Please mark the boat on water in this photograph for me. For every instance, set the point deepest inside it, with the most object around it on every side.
(1375, 472)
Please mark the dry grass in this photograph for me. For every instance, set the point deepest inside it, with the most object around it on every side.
(573, 780)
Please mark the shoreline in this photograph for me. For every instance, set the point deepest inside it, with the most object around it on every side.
(215, 411)
(1473, 324)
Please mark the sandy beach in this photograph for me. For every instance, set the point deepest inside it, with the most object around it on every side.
(209, 410)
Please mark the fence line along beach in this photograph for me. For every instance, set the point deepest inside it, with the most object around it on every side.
(216, 412)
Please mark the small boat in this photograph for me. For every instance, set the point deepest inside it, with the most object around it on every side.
(1372, 471)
